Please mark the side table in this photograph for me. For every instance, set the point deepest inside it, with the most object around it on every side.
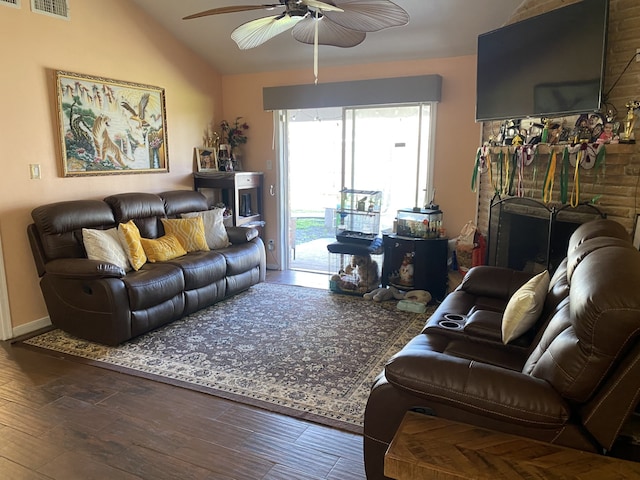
(429, 263)
(430, 447)
(240, 191)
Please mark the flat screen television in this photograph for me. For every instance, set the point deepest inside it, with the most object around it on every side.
(548, 65)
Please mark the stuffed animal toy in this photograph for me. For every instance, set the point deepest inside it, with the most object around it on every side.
(406, 270)
(415, 301)
(346, 281)
(383, 294)
(419, 296)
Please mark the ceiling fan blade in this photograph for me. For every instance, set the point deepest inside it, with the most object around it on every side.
(322, 6)
(238, 8)
(329, 33)
(254, 33)
(368, 15)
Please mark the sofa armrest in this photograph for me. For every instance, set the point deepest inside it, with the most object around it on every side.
(476, 387)
(495, 282)
(485, 324)
(241, 234)
(83, 268)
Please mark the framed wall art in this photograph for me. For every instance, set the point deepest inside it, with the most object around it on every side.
(206, 159)
(110, 126)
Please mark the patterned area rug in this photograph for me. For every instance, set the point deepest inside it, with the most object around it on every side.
(304, 352)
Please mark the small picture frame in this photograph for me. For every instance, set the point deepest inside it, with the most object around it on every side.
(206, 159)
(636, 233)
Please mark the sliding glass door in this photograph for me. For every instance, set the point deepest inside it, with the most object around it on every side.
(388, 149)
(373, 148)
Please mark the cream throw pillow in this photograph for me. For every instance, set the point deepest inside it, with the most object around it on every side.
(214, 230)
(162, 249)
(130, 239)
(524, 307)
(105, 246)
(188, 231)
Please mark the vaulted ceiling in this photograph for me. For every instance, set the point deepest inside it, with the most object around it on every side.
(437, 29)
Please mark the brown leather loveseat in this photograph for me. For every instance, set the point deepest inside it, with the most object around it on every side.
(100, 301)
(572, 379)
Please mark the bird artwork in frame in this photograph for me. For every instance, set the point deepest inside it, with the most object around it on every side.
(110, 126)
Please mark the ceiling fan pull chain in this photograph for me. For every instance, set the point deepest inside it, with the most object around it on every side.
(315, 49)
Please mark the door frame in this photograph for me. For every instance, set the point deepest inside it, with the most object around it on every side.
(282, 197)
(6, 328)
(282, 193)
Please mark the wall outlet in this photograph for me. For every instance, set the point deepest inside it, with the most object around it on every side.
(271, 245)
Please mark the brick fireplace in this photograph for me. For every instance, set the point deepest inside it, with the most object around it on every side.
(525, 234)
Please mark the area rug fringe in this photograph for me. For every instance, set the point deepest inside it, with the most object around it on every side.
(302, 352)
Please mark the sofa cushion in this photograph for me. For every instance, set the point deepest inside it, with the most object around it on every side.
(60, 225)
(214, 230)
(162, 249)
(145, 208)
(105, 245)
(153, 284)
(183, 201)
(479, 378)
(594, 229)
(524, 307)
(188, 231)
(201, 268)
(241, 258)
(130, 239)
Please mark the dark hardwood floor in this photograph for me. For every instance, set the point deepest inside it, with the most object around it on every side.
(61, 419)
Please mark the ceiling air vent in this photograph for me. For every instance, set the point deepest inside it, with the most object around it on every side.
(55, 8)
(10, 3)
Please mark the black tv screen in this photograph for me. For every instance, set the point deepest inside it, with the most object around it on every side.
(548, 65)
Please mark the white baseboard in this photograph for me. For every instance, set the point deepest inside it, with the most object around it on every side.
(31, 327)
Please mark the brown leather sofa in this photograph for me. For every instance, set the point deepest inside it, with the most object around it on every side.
(99, 301)
(573, 379)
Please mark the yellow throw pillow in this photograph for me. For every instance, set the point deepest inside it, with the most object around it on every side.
(188, 231)
(214, 229)
(524, 307)
(130, 238)
(162, 249)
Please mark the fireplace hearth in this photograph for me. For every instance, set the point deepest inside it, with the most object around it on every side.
(527, 235)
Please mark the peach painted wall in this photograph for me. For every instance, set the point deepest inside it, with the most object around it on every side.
(104, 38)
(457, 134)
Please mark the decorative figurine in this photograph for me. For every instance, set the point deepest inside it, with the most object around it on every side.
(406, 270)
(210, 138)
(628, 135)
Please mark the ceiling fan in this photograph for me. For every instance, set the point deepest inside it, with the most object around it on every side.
(341, 23)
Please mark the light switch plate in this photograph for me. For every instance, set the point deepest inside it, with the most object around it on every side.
(35, 172)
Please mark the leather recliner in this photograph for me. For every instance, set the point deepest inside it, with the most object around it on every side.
(573, 379)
